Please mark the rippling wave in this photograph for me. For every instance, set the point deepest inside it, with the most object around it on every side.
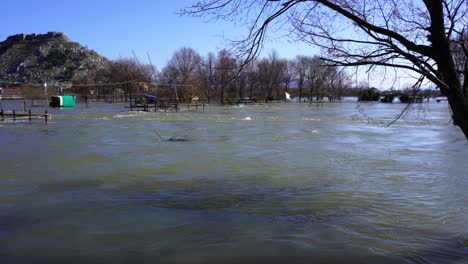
(295, 183)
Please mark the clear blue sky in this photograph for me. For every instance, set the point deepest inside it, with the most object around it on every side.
(114, 28)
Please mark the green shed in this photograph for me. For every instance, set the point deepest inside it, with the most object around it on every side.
(62, 101)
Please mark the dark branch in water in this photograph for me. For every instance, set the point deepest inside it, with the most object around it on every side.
(177, 139)
(158, 134)
(171, 139)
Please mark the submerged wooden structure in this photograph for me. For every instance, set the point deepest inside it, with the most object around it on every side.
(22, 115)
(152, 103)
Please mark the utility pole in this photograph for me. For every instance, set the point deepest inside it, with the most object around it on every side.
(45, 93)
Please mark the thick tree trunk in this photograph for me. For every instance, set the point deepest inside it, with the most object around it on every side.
(446, 66)
(459, 106)
(222, 95)
(300, 92)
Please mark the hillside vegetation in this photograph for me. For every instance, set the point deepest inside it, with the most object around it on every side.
(50, 57)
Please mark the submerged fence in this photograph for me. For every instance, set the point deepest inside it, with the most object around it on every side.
(22, 115)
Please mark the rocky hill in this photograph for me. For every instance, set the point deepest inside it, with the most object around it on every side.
(39, 58)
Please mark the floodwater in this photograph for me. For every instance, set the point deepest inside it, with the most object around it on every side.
(276, 183)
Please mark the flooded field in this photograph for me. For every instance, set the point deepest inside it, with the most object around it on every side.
(277, 183)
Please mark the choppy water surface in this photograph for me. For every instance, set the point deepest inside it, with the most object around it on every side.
(294, 183)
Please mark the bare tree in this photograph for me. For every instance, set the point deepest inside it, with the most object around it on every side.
(278, 69)
(270, 75)
(169, 79)
(225, 72)
(287, 76)
(181, 69)
(402, 34)
(314, 74)
(335, 83)
(124, 75)
(251, 78)
(242, 81)
(206, 73)
(263, 77)
(300, 71)
(135, 77)
(275, 71)
(460, 54)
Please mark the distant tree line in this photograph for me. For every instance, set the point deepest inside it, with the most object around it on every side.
(222, 77)
(217, 78)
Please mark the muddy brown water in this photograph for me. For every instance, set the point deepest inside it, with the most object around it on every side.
(273, 183)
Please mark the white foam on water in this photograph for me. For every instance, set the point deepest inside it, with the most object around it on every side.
(124, 116)
(310, 119)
